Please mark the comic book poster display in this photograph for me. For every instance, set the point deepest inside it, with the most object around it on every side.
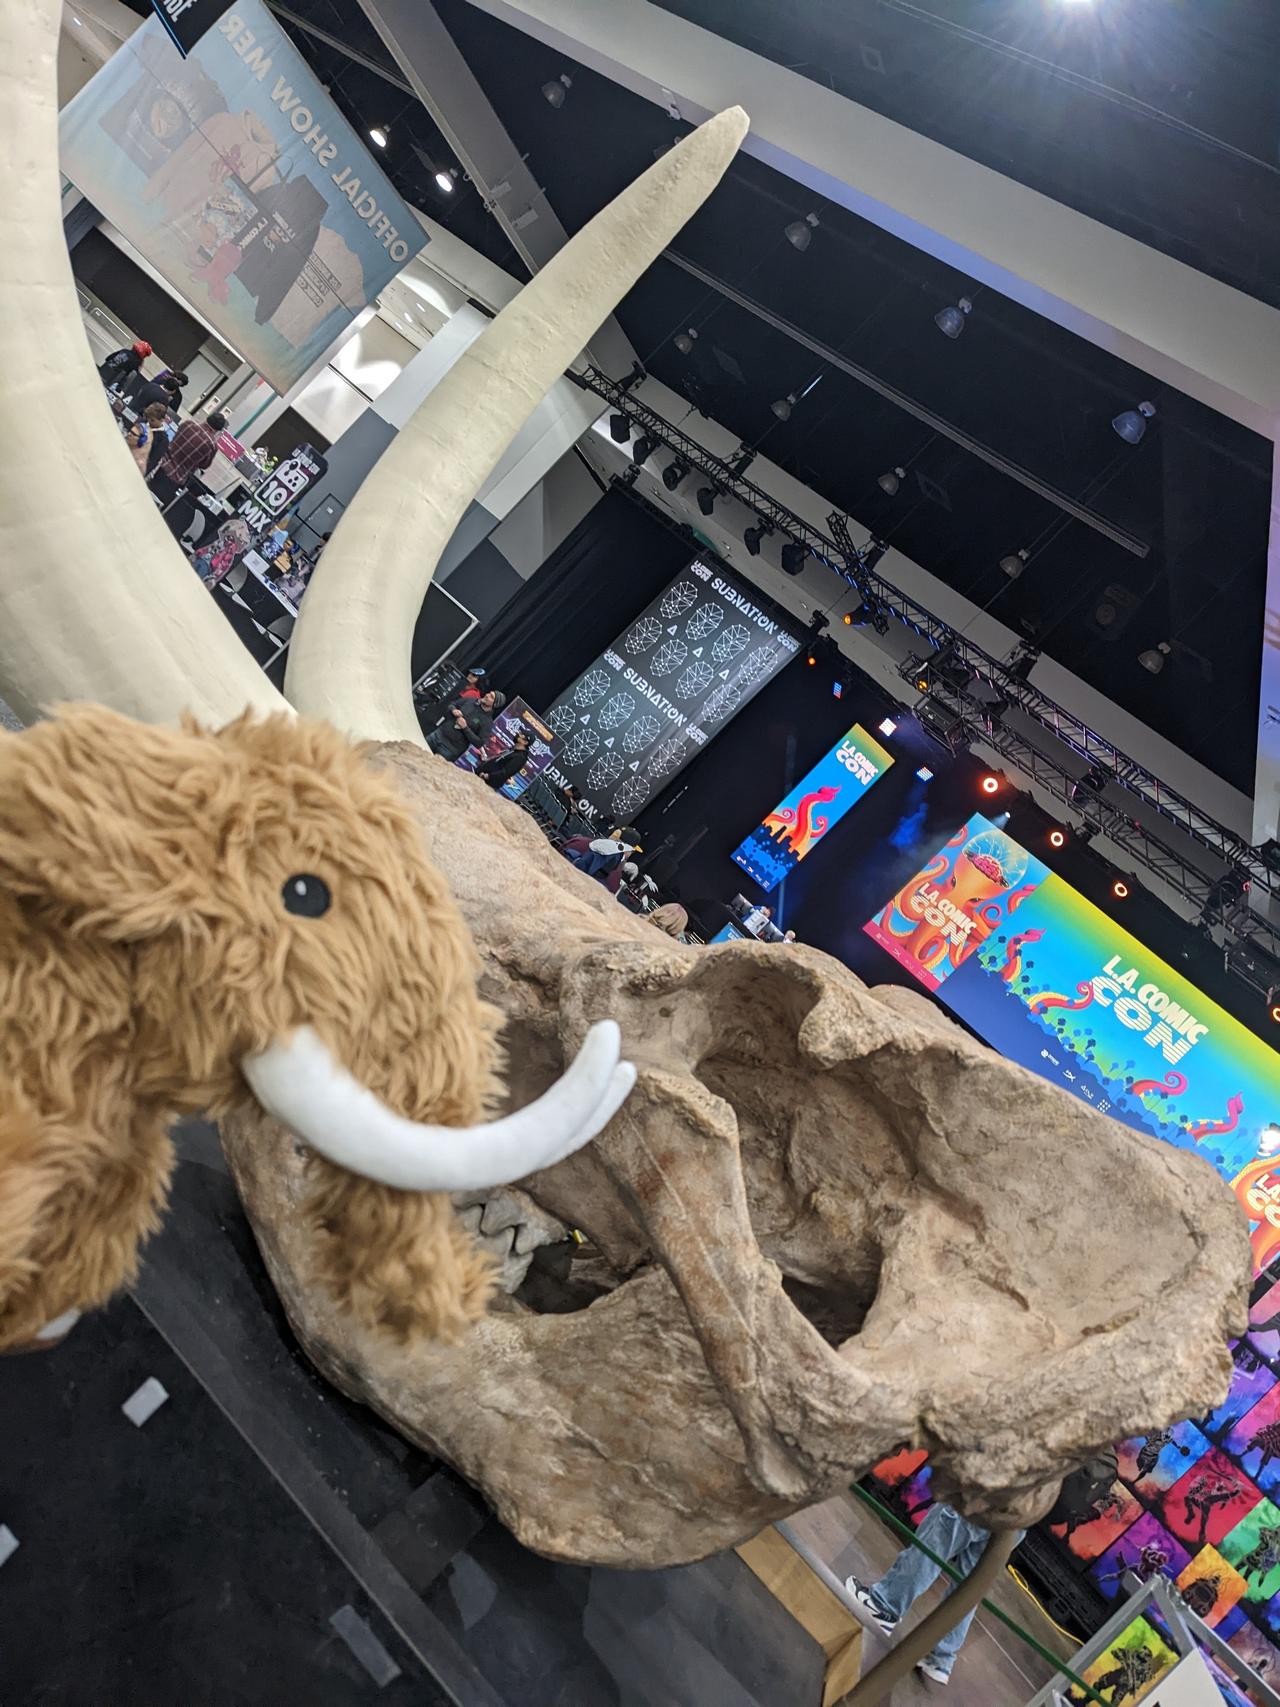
(516, 718)
(668, 685)
(236, 176)
(1051, 981)
(813, 808)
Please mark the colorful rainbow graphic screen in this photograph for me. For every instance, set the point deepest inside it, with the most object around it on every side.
(1051, 982)
(814, 806)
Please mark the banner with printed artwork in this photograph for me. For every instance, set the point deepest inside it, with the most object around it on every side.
(1052, 982)
(234, 174)
(637, 715)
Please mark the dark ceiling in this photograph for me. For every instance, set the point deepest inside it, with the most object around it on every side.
(1195, 492)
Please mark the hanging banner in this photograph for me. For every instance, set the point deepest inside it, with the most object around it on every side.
(667, 686)
(188, 20)
(1052, 982)
(233, 173)
(814, 806)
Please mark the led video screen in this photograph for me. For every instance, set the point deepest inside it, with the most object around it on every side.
(1050, 981)
(1054, 983)
(814, 806)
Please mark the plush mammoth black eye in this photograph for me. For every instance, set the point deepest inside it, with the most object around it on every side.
(306, 895)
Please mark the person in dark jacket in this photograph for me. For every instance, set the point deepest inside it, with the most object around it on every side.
(467, 725)
(501, 769)
(164, 391)
(121, 365)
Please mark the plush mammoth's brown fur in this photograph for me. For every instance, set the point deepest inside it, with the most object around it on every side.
(145, 951)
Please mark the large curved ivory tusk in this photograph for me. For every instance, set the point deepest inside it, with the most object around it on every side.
(96, 601)
(300, 1083)
(349, 659)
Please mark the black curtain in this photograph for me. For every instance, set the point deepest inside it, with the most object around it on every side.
(566, 614)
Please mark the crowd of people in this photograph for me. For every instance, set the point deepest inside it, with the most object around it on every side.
(168, 459)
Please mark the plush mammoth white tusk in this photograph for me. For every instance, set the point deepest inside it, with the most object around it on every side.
(349, 657)
(299, 1082)
(96, 602)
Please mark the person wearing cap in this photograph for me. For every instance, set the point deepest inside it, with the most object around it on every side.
(121, 365)
(472, 687)
(469, 724)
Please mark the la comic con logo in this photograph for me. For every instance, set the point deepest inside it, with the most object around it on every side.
(1147, 1008)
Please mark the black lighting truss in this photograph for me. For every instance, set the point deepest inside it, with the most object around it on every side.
(838, 552)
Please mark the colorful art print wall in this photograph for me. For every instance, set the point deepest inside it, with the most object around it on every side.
(666, 687)
(1052, 982)
(812, 809)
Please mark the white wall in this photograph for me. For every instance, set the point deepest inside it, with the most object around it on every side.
(546, 516)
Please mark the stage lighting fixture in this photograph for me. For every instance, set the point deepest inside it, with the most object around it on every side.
(674, 473)
(643, 449)
(445, 181)
(1120, 889)
(1131, 424)
(1000, 820)
(1153, 658)
(1057, 838)
(782, 406)
(1014, 563)
(380, 135)
(887, 726)
(553, 92)
(811, 660)
(950, 321)
(991, 785)
(706, 496)
(619, 428)
(800, 232)
(794, 553)
(1269, 853)
(871, 554)
(1024, 660)
(684, 341)
(891, 483)
(925, 774)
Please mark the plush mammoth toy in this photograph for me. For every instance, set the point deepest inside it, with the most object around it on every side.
(189, 920)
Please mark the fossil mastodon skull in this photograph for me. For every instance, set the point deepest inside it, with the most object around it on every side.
(826, 1222)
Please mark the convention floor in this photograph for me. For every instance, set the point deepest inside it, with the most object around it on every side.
(259, 1539)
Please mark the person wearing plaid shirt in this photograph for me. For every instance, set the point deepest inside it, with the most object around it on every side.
(191, 450)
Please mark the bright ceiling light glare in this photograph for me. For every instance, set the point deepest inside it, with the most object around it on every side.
(444, 182)
(1131, 424)
(887, 726)
(1120, 889)
(991, 785)
(950, 321)
(378, 135)
(811, 660)
(1057, 838)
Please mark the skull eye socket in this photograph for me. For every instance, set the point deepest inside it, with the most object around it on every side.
(306, 895)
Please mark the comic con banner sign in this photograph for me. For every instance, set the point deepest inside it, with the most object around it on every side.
(236, 177)
(814, 806)
(666, 686)
(1050, 981)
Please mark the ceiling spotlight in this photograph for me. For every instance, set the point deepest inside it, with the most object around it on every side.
(991, 785)
(445, 181)
(925, 774)
(674, 473)
(706, 496)
(553, 93)
(887, 726)
(782, 406)
(1131, 424)
(380, 135)
(619, 428)
(811, 659)
(684, 341)
(643, 448)
(800, 232)
(1153, 658)
(1120, 889)
(889, 483)
(1015, 563)
(793, 556)
(753, 536)
(950, 321)
(1057, 838)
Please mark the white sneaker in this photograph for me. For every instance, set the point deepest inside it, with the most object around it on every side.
(866, 1600)
(933, 1671)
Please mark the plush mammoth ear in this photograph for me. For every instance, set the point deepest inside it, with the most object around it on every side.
(111, 821)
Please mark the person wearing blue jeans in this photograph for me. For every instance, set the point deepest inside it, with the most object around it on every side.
(951, 1537)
